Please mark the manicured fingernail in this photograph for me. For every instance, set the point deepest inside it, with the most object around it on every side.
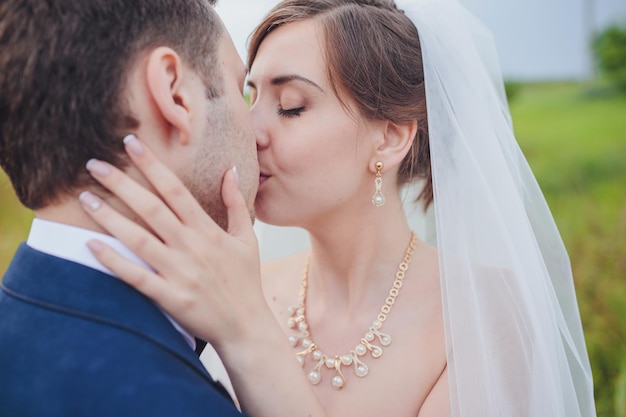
(95, 246)
(89, 200)
(236, 174)
(133, 144)
(98, 168)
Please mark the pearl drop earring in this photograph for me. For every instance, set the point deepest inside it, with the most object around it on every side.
(378, 199)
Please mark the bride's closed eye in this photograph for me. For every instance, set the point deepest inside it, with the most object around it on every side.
(293, 112)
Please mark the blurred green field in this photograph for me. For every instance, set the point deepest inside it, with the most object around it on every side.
(575, 140)
(14, 222)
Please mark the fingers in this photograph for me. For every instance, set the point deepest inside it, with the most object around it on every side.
(136, 238)
(168, 185)
(148, 206)
(239, 221)
(145, 281)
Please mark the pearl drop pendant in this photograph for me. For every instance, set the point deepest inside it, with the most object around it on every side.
(314, 377)
(338, 382)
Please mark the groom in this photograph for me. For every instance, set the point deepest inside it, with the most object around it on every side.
(75, 77)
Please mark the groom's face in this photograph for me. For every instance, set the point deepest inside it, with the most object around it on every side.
(224, 139)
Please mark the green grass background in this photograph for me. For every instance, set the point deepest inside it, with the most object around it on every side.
(574, 136)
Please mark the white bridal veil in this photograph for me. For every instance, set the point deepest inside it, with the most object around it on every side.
(513, 330)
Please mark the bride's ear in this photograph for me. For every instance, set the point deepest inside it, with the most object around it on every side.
(168, 87)
(396, 143)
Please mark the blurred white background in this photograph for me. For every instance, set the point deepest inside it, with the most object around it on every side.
(537, 39)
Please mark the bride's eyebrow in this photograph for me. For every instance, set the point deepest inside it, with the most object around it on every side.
(284, 79)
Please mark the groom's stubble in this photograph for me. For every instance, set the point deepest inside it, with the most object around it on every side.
(227, 143)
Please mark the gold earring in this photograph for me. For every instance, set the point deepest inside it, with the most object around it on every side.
(378, 199)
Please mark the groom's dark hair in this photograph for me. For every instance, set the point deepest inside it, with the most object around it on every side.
(63, 71)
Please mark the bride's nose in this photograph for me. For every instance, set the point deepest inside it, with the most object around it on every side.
(259, 123)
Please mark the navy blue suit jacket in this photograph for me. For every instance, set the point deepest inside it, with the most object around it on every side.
(77, 342)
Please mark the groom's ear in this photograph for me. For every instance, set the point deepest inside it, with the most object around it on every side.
(167, 83)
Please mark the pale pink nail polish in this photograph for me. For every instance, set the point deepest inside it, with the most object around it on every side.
(89, 200)
(236, 174)
(133, 144)
(95, 246)
(98, 168)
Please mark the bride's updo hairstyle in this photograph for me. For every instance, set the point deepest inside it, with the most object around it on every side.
(374, 57)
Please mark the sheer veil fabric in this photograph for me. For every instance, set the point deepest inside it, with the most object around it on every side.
(513, 330)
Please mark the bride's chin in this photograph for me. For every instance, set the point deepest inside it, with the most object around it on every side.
(263, 212)
(268, 219)
(270, 216)
(277, 211)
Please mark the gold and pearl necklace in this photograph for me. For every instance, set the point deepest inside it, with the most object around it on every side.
(297, 321)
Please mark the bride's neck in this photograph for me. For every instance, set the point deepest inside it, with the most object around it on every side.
(355, 258)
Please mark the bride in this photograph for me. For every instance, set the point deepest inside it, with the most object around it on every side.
(355, 115)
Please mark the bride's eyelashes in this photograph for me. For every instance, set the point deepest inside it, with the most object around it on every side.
(288, 113)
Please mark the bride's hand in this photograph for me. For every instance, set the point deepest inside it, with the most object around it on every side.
(206, 278)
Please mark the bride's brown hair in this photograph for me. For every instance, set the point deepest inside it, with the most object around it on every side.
(374, 56)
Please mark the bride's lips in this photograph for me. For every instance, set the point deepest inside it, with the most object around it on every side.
(263, 177)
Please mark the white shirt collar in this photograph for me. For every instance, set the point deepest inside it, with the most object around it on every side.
(70, 243)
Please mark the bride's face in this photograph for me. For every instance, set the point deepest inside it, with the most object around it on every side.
(312, 152)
